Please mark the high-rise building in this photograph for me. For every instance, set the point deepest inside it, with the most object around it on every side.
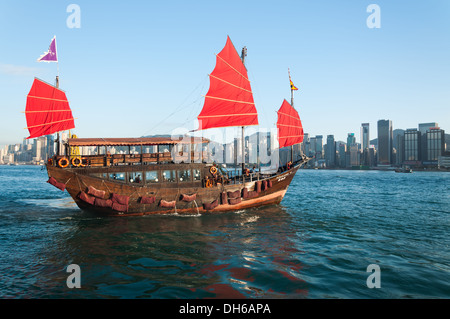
(319, 146)
(305, 144)
(365, 144)
(435, 146)
(350, 139)
(412, 147)
(355, 154)
(395, 135)
(312, 147)
(400, 138)
(342, 151)
(385, 137)
(331, 151)
(365, 136)
(424, 127)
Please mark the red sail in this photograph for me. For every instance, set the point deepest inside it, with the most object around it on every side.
(47, 110)
(229, 101)
(290, 129)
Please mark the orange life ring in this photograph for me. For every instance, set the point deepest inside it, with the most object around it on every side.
(76, 161)
(83, 162)
(209, 183)
(213, 170)
(63, 162)
(247, 172)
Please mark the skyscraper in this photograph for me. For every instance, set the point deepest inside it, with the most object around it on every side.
(385, 139)
(412, 147)
(350, 139)
(365, 144)
(365, 138)
(400, 138)
(342, 152)
(435, 145)
(319, 146)
(423, 128)
(331, 151)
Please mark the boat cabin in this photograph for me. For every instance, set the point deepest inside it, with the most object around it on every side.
(152, 161)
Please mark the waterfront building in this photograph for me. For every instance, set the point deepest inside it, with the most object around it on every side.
(444, 161)
(330, 151)
(365, 136)
(312, 148)
(372, 156)
(395, 145)
(355, 154)
(423, 128)
(319, 147)
(351, 139)
(365, 143)
(342, 150)
(385, 140)
(412, 148)
(305, 144)
(400, 158)
(435, 146)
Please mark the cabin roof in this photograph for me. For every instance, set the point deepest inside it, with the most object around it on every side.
(134, 141)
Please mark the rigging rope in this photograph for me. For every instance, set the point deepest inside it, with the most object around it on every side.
(182, 105)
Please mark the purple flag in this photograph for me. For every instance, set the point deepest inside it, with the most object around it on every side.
(50, 55)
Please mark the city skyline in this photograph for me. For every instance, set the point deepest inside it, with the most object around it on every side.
(141, 69)
(386, 149)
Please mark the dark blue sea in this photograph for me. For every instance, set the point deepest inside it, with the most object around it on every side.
(317, 244)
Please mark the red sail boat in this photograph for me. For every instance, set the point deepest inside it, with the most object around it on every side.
(153, 176)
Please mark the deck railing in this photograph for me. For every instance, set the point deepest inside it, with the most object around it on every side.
(126, 159)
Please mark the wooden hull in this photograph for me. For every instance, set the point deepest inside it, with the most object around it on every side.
(78, 180)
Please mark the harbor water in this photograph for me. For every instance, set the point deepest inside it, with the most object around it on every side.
(317, 244)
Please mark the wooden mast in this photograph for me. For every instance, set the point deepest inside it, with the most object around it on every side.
(243, 55)
(292, 104)
(57, 134)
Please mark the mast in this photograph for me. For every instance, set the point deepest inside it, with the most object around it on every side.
(292, 104)
(243, 55)
(229, 101)
(58, 144)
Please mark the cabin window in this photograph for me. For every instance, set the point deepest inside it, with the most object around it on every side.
(100, 175)
(117, 177)
(135, 177)
(184, 175)
(196, 174)
(151, 177)
(168, 176)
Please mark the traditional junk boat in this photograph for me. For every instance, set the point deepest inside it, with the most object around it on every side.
(144, 182)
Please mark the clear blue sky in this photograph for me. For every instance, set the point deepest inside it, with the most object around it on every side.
(140, 67)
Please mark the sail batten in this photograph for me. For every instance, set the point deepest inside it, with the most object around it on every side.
(241, 88)
(229, 101)
(225, 115)
(290, 129)
(235, 101)
(244, 76)
(47, 110)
